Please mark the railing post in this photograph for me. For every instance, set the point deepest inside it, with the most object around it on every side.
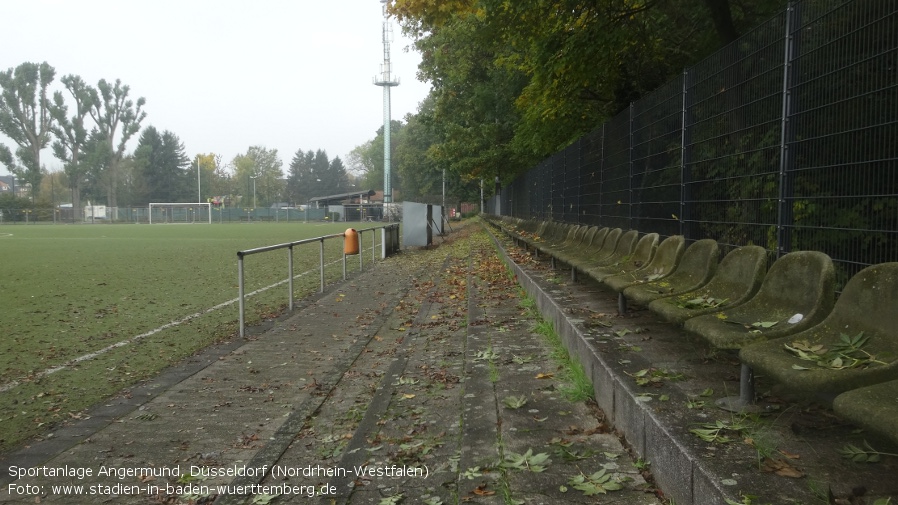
(290, 278)
(359, 238)
(240, 292)
(321, 260)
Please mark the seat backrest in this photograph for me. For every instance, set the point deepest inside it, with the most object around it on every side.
(667, 257)
(644, 250)
(588, 236)
(609, 244)
(571, 236)
(530, 225)
(561, 232)
(577, 237)
(699, 261)
(740, 274)
(553, 229)
(868, 302)
(598, 239)
(626, 244)
(801, 281)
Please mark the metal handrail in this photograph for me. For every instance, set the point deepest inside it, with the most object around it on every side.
(392, 237)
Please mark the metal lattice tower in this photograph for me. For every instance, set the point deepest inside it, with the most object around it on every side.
(387, 81)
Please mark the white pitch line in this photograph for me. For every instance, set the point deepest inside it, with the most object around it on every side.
(92, 355)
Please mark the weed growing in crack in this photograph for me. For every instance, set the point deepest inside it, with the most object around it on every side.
(576, 386)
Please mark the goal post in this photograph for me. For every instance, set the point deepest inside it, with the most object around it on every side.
(184, 213)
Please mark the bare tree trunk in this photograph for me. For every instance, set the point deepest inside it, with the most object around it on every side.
(722, 17)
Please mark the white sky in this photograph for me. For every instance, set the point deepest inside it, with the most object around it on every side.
(226, 74)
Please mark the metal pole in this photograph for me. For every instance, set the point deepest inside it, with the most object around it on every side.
(321, 259)
(344, 257)
(373, 245)
(290, 276)
(360, 250)
(240, 292)
(784, 220)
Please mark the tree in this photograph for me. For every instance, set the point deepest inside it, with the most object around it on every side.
(367, 160)
(53, 189)
(118, 119)
(259, 172)
(71, 134)
(516, 81)
(335, 180)
(300, 179)
(161, 166)
(25, 118)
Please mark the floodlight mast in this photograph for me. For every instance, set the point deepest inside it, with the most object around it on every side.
(386, 80)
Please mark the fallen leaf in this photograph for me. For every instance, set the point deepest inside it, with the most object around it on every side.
(545, 375)
(781, 468)
(481, 490)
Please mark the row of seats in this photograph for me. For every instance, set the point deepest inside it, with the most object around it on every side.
(737, 304)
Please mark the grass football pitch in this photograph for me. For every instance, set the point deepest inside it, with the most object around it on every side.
(84, 309)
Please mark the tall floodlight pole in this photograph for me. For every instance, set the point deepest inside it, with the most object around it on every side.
(387, 81)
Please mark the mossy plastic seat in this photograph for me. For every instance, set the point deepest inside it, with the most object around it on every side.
(567, 254)
(585, 243)
(798, 283)
(573, 237)
(521, 231)
(697, 266)
(867, 305)
(663, 263)
(602, 246)
(738, 278)
(556, 233)
(624, 247)
(640, 257)
(873, 408)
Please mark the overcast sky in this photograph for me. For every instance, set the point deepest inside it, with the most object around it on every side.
(224, 75)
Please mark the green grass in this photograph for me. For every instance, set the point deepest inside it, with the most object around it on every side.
(575, 386)
(66, 291)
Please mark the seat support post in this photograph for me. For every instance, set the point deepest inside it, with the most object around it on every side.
(745, 402)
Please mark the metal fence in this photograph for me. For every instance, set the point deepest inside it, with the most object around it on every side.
(787, 138)
(184, 214)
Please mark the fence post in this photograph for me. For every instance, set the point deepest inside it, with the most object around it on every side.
(579, 177)
(784, 207)
(630, 166)
(602, 172)
(685, 158)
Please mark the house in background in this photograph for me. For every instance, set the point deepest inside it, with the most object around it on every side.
(8, 184)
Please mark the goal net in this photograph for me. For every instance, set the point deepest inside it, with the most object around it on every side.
(180, 213)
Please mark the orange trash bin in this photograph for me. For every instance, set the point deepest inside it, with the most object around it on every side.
(350, 242)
